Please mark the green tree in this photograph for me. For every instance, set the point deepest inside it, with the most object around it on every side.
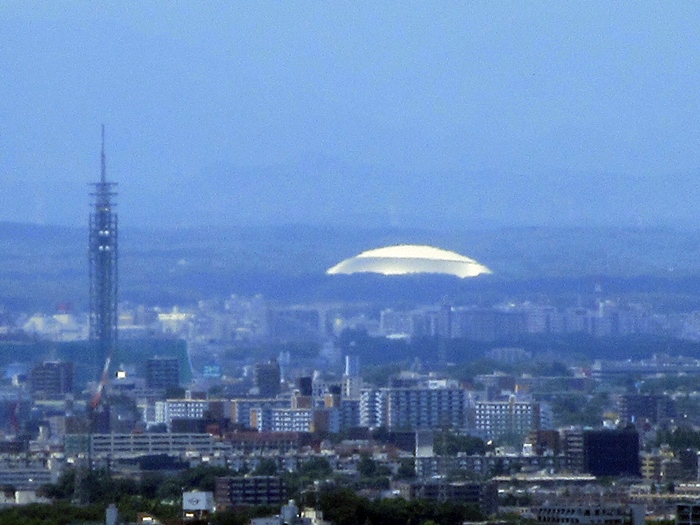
(266, 467)
(60, 513)
(150, 482)
(367, 467)
(315, 468)
(202, 477)
(343, 507)
(407, 469)
(170, 489)
(64, 488)
(450, 444)
(230, 517)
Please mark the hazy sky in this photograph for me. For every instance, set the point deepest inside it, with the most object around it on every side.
(425, 113)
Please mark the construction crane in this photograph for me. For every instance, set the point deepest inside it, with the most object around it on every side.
(97, 396)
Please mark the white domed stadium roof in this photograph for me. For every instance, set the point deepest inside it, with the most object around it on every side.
(410, 259)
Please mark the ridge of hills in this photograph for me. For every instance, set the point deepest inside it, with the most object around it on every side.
(41, 266)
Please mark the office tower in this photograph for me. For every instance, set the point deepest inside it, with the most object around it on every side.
(305, 386)
(352, 365)
(640, 407)
(352, 382)
(51, 379)
(162, 372)
(611, 452)
(444, 330)
(285, 361)
(267, 378)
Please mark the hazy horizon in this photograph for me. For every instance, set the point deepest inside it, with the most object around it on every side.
(449, 116)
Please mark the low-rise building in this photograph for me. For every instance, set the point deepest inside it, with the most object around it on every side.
(590, 514)
(249, 490)
(688, 514)
(130, 445)
(166, 411)
(484, 495)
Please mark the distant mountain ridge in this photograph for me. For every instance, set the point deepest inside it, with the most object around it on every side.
(44, 265)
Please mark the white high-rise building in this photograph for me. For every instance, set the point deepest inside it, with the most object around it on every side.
(352, 387)
(494, 419)
(166, 411)
(414, 408)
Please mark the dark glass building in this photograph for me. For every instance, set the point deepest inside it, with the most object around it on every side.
(162, 372)
(51, 379)
(611, 452)
(267, 378)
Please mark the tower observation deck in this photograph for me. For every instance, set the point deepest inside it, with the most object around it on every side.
(103, 262)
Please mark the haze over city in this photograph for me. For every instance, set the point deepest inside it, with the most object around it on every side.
(343, 263)
(443, 115)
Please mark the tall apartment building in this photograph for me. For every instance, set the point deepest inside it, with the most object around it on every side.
(494, 419)
(397, 323)
(572, 447)
(487, 324)
(255, 413)
(413, 408)
(291, 420)
(352, 387)
(373, 408)
(305, 420)
(349, 414)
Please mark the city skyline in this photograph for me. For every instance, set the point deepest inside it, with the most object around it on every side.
(291, 312)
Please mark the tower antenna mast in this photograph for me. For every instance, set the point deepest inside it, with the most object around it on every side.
(103, 261)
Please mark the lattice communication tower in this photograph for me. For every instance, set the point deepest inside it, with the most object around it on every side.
(103, 255)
